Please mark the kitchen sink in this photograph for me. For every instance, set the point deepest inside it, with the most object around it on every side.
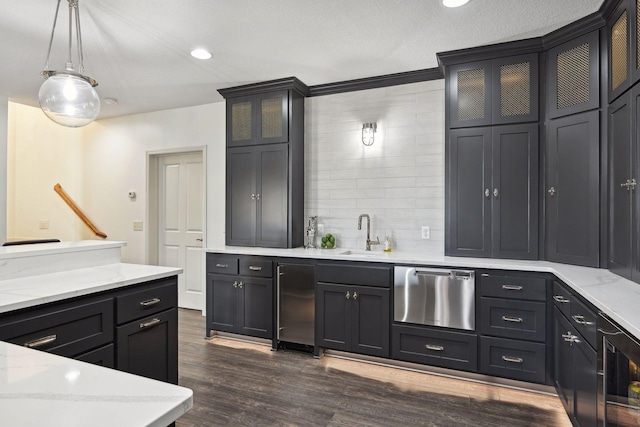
(360, 253)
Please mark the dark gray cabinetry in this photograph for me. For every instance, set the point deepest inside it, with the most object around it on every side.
(352, 308)
(623, 48)
(265, 164)
(575, 358)
(133, 329)
(500, 91)
(492, 192)
(572, 195)
(513, 326)
(147, 332)
(573, 76)
(623, 248)
(257, 196)
(240, 301)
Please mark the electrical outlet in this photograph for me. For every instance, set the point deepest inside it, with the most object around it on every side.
(137, 225)
(43, 224)
(426, 232)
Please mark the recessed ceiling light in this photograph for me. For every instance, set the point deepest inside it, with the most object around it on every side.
(454, 3)
(201, 54)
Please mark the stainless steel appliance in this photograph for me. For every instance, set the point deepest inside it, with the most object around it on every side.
(296, 303)
(619, 380)
(436, 297)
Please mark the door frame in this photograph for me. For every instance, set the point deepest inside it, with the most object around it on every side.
(153, 192)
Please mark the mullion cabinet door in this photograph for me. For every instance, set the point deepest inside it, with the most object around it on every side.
(619, 36)
(468, 192)
(573, 76)
(272, 117)
(241, 123)
(469, 92)
(515, 192)
(572, 193)
(515, 89)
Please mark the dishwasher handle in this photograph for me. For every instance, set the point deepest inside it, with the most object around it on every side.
(432, 272)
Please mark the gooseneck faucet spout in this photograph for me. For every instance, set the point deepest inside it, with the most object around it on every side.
(369, 242)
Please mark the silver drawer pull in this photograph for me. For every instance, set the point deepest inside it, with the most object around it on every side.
(150, 302)
(512, 319)
(255, 268)
(512, 359)
(579, 319)
(41, 341)
(560, 299)
(435, 347)
(151, 322)
(512, 287)
(222, 265)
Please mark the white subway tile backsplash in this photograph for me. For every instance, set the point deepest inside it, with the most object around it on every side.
(398, 181)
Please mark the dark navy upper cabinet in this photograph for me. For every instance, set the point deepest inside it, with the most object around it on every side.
(499, 91)
(573, 76)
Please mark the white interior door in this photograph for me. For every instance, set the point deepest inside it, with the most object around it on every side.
(181, 223)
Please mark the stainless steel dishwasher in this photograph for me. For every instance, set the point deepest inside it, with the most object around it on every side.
(435, 297)
(296, 303)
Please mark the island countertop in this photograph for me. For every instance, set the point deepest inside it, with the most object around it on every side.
(611, 294)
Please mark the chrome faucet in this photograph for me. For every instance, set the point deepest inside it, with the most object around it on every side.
(369, 242)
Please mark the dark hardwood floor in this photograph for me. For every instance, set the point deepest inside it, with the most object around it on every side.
(242, 384)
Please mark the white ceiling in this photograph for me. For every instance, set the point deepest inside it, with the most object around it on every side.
(138, 50)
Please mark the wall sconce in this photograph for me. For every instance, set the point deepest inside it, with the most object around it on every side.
(368, 133)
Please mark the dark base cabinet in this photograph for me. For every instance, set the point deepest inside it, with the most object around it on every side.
(435, 347)
(519, 360)
(103, 356)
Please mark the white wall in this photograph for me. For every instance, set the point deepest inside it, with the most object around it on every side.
(4, 136)
(99, 164)
(398, 181)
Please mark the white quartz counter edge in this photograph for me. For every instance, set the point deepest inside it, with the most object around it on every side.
(35, 290)
(41, 389)
(615, 296)
(19, 251)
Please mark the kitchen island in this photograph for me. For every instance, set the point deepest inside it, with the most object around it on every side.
(50, 280)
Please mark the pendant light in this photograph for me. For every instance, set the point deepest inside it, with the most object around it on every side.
(68, 97)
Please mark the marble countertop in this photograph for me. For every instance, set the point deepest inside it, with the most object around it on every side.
(18, 251)
(614, 295)
(41, 289)
(39, 389)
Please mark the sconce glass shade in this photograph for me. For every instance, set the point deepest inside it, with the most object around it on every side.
(69, 100)
(368, 133)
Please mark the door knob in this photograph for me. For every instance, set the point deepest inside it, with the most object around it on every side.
(552, 191)
(495, 192)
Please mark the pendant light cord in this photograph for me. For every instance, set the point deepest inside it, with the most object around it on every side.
(53, 30)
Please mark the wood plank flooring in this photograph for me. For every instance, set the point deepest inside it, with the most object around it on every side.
(242, 384)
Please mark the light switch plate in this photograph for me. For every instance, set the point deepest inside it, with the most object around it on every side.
(137, 225)
(43, 224)
(426, 232)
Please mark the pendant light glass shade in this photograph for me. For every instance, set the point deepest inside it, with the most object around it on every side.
(68, 97)
(69, 100)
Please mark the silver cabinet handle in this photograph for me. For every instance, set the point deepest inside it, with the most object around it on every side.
(512, 359)
(630, 184)
(512, 287)
(41, 341)
(235, 284)
(222, 265)
(255, 268)
(551, 191)
(258, 196)
(253, 196)
(355, 296)
(512, 319)
(495, 192)
(151, 322)
(240, 285)
(579, 319)
(633, 183)
(348, 295)
(567, 337)
(150, 302)
(434, 347)
(560, 299)
(487, 193)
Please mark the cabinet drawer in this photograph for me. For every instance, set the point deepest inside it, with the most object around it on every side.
(584, 319)
(513, 319)
(442, 348)
(222, 264)
(67, 330)
(160, 297)
(562, 298)
(355, 274)
(518, 360)
(256, 267)
(513, 287)
(103, 356)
